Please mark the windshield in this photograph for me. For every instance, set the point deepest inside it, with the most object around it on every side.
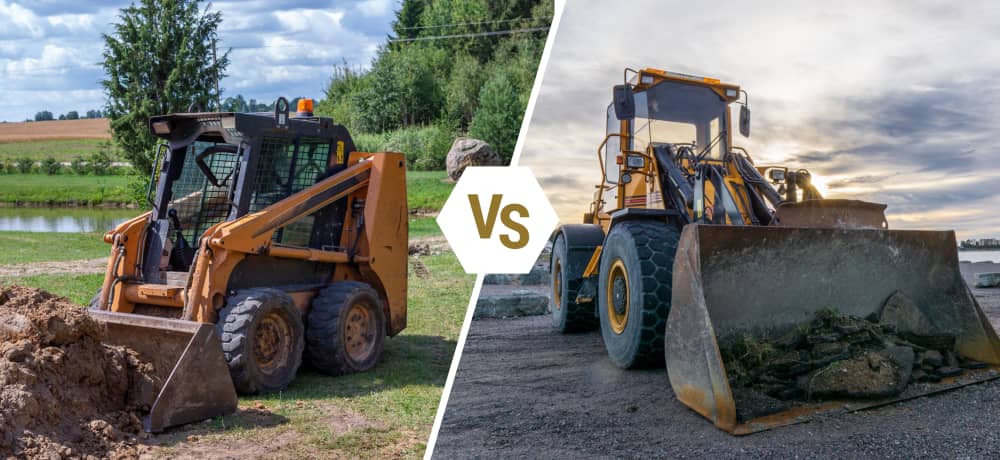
(678, 113)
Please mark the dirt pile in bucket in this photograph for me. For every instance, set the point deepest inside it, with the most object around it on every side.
(63, 393)
(840, 357)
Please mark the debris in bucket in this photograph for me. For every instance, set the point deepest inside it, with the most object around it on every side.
(840, 357)
(63, 393)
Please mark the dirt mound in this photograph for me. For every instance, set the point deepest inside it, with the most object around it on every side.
(63, 393)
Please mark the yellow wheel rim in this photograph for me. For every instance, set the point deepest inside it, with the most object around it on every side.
(359, 332)
(557, 285)
(271, 345)
(617, 296)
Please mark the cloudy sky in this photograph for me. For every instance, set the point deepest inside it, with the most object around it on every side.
(893, 102)
(50, 49)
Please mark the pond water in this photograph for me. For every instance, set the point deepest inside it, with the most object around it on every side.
(992, 255)
(64, 220)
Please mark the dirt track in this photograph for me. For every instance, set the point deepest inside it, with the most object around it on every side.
(523, 390)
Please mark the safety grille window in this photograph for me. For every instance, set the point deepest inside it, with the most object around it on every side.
(199, 203)
(285, 168)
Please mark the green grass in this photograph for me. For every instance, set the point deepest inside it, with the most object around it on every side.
(60, 149)
(426, 190)
(423, 226)
(63, 189)
(24, 247)
(397, 399)
(78, 288)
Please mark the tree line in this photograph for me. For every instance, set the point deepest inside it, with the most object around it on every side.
(45, 115)
(448, 68)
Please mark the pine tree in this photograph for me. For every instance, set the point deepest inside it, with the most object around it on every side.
(158, 60)
(407, 20)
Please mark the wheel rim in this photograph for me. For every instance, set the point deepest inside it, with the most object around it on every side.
(617, 296)
(272, 343)
(359, 332)
(557, 285)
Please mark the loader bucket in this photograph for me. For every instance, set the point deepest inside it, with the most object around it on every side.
(762, 282)
(187, 357)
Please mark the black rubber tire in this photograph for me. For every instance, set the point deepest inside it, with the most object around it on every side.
(238, 327)
(327, 328)
(647, 250)
(567, 315)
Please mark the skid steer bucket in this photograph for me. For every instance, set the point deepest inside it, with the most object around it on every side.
(764, 282)
(187, 357)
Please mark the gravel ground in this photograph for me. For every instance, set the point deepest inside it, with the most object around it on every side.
(523, 390)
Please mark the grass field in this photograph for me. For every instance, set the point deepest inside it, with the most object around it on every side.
(63, 190)
(24, 247)
(62, 150)
(427, 190)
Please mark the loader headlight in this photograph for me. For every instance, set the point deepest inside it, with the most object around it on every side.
(635, 161)
(626, 178)
(161, 127)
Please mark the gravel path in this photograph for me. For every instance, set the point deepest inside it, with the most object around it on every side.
(523, 390)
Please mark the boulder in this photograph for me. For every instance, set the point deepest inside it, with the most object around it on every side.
(903, 316)
(508, 305)
(870, 375)
(988, 280)
(538, 276)
(467, 152)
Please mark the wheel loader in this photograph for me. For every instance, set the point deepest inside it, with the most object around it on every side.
(688, 244)
(270, 241)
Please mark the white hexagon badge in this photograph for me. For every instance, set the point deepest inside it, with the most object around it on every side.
(497, 219)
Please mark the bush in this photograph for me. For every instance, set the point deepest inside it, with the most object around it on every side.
(371, 142)
(79, 166)
(100, 161)
(50, 166)
(100, 164)
(425, 147)
(498, 119)
(137, 187)
(25, 165)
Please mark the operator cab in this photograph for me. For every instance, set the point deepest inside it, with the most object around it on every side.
(215, 167)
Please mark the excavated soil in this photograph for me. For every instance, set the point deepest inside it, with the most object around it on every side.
(63, 393)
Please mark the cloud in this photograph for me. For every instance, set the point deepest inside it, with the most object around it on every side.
(896, 105)
(279, 48)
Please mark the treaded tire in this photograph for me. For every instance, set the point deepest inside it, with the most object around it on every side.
(250, 318)
(646, 250)
(567, 315)
(332, 328)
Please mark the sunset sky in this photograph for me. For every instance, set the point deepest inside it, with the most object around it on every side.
(897, 104)
(50, 50)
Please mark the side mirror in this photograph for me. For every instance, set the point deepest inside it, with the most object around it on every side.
(624, 102)
(745, 120)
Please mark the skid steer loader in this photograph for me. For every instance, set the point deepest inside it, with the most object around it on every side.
(688, 245)
(270, 241)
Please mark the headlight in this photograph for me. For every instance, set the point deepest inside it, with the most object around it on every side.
(161, 127)
(636, 162)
